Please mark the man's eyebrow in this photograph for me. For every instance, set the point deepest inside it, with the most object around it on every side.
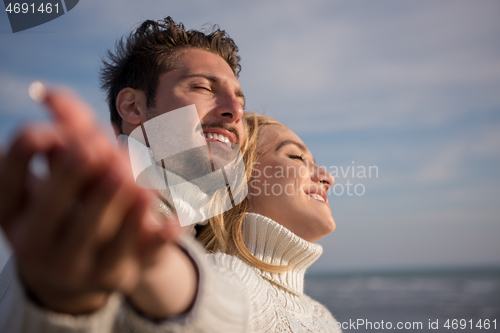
(292, 142)
(215, 79)
(203, 75)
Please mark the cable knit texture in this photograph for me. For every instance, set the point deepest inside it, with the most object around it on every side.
(293, 310)
(236, 297)
(275, 244)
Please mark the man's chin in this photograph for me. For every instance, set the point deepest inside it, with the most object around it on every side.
(223, 155)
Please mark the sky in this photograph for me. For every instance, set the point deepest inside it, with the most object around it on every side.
(407, 89)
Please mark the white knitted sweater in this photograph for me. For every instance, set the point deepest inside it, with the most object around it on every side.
(232, 295)
(237, 297)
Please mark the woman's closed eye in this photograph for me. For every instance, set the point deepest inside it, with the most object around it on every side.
(296, 157)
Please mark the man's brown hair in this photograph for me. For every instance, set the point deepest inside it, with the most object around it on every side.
(140, 59)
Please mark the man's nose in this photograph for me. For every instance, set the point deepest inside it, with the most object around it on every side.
(230, 109)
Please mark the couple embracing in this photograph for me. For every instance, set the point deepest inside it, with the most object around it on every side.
(94, 252)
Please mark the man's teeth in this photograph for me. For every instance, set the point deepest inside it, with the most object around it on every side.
(316, 196)
(218, 137)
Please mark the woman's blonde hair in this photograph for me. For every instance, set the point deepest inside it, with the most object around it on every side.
(224, 233)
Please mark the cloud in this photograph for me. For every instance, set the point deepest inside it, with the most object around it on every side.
(443, 166)
(453, 159)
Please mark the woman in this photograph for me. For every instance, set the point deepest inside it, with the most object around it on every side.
(253, 279)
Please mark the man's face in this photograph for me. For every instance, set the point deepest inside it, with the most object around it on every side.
(206, 80)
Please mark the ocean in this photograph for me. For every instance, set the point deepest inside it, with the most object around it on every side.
(439, 301)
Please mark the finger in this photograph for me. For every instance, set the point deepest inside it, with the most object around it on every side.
(72, 171)
(80, 227)
(104, 207)
(66, 107)
(170, 229)
(14, 167)
(116, 210)
(76, 120)
(153, 235)
(118, 263)
(72, 115)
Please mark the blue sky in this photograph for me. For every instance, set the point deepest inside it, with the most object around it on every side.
(411, 87)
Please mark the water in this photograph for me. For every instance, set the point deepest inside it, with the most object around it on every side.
(411, 297)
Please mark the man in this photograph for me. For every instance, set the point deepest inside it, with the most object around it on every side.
(85, 232)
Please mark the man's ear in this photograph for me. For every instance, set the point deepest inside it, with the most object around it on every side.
(131, 105)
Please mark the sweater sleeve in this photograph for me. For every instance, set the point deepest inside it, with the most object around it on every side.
(18, 314)
(221, 303)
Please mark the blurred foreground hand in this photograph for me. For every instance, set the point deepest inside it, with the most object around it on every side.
(84, 231)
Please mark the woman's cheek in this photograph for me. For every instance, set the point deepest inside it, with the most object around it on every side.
(291, 188)
(255, 169)
(255, 189)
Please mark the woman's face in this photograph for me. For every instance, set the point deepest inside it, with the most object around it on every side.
(289, 187)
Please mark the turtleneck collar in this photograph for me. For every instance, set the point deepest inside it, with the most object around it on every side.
(269, 241)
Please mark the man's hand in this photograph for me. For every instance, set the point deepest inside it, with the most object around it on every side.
(84, 231)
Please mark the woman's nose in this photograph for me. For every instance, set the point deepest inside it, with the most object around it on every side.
(322, 176)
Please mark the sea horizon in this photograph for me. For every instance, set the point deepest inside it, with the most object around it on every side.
(426, 300)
